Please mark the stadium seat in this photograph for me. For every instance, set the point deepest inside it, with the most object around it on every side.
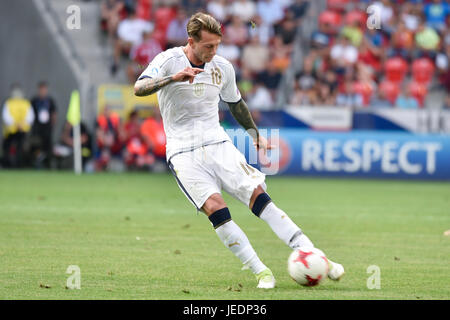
(422, 70)
(395, 69)
(163, 17)
(339, 5)
(355, 16)
(390, 89)
(330, 17)
(365, 89)
(418, 90)
(144, 9)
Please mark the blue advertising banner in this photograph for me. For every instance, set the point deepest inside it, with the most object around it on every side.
(356, 153)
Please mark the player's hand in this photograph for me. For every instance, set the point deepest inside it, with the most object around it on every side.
(263, 145)
(187, 74)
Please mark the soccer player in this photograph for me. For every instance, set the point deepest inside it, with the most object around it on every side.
(188, 81)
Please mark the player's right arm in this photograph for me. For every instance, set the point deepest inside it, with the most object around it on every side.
(146, 86)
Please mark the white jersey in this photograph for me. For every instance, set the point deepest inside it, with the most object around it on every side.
(190, 111)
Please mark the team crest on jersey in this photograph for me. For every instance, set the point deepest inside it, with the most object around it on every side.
(199, 89)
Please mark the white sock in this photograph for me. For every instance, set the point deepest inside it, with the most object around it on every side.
(284, 227)
(235, 239)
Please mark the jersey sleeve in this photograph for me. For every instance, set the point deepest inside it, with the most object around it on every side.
(230, 92)
(157, 68)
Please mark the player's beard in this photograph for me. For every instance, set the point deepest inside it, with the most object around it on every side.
(204, 57)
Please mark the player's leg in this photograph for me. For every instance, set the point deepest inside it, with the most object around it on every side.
(235, 239)
(200, 186)
(263, 207)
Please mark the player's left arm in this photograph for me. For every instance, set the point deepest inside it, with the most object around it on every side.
(242, 114)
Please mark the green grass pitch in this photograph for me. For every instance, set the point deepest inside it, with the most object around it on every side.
(135, 236)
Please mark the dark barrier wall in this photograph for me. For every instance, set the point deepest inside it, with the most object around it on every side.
(28, 54)
(352, 154)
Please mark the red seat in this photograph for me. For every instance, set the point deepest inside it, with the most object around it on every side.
(419, 91)
(337, 4)
(144, 9)
(330, 17)
(356, 16)
(390, 89)
(422, 70)
(163, 17)
(395, 69)
(365, 89)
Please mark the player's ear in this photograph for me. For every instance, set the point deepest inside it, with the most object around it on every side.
(190, 41)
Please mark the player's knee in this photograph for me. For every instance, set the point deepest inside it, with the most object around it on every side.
(261, 201)
(220, 217)
(214, 203)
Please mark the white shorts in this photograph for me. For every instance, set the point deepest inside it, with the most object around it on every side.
(209, 169)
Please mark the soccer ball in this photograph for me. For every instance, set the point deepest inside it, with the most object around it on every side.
(308, 266)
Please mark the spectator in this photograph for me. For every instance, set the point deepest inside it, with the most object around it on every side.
(348, 97)
(380, 100)
(386, 10)
(18, 117)
(176, 32)
(270, 77)
(136, 153)
(409, 17)
(255, 56)
(405, 100)
(370, 55)
(427, 41)
(281, 54)
(130, 33)
(262, 30)
(287, 29)
(271, 11)
(324, 96)
(353, 33)
(152, 131)
(65, 148)
(142, 55)
(436, 14)
(42, 132)
(236, 31)
(402, 42)
(110, 16)
(343, 53)
(193, 6)
(307, 78)
(108, 137)
(260, 98)
(229, 50)
(299, 8)
(244, 9)
(218, 9)
(245, 82)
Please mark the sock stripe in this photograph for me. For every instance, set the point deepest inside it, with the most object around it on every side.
(220, 217)
(261, 203)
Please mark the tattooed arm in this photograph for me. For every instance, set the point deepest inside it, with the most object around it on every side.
(240, 112)
(148, 86)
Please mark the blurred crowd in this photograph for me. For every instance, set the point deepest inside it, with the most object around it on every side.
(134, 143)
(389, 58)
(258, 37)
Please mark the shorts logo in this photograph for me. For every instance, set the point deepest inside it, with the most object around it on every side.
(199, 89)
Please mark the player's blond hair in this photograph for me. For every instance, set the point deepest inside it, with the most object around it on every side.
(202, 21)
